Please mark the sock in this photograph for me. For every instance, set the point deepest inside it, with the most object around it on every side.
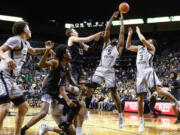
(79, 131)
(141, 120)
(120, 115)
(49, 128)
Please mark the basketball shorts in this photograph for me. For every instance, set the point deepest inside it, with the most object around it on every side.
(106, 75)
(146, 80)
(47, 98)
(9, 90)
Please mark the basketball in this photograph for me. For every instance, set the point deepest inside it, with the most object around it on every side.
(124, 7)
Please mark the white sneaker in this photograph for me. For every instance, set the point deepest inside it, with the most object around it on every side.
(141, 127)
(121, 122)
(42, 129)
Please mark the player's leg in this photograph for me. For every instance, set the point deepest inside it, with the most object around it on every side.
(20, 103)
(5, 87)
(4, 109)
(141, 90)
(80, 118)
(140, 111)
(22, 107)
(43, 112)
(111, 84)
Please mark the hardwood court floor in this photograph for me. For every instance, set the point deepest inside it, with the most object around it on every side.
(104, 123)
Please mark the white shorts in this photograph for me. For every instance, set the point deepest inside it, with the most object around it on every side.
(56, 111)
(145, 80)
(46, 98)
(105, 74)
(9, 87)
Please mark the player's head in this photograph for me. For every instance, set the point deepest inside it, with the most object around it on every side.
(173, 75)
(62, 53)
(114, 42)
(71, 32)
(21, 28)
(153, 42)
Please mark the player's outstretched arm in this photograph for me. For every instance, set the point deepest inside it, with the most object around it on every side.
(43, 63)
(86, 47)
(121, 36)
(128, 42)
(75, 39)
(36, 51)
(143, 40)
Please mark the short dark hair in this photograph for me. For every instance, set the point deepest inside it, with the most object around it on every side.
(18, 27)
(60, 50)
(154, 42)
(174, 73)
(68, 32)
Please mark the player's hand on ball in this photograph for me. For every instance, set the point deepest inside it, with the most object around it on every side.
(11, 64)
(115, 14)
(71, 104)
(130, 31)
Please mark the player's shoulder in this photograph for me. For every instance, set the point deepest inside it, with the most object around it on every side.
(14, 38)
(71, 40)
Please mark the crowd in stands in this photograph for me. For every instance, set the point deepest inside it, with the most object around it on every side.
(31, 76)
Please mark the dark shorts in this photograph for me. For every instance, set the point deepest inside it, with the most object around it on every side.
(77, 71)
(16, 101)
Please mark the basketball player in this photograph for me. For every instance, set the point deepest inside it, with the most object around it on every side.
(105, 71)
(13, 55)
(56, 111)
(76, 46)
(174, 86)
(54, 83)
(146, 76)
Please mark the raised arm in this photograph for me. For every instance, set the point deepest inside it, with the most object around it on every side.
(74, 39)
(143, 40)
(121, 36)
(36, 51)
(108, 27)
(87, 47)
(43, 63)
(128, 42)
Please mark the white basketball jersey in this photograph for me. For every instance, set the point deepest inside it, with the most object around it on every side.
(144, 59)
(15, 43)
(109, 56)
